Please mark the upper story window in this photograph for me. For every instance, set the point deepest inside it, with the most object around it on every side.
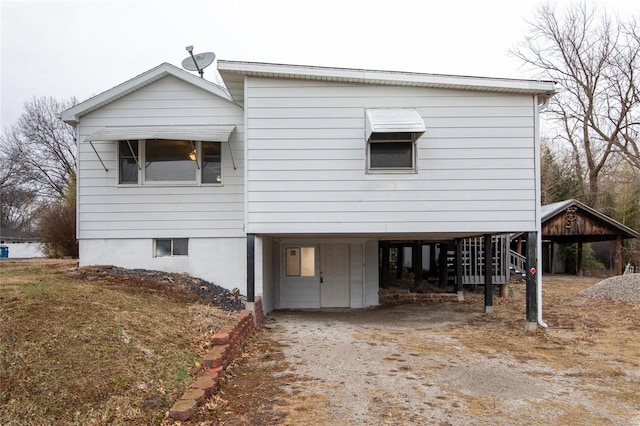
(391, 136)
(128, 164)
(391, 151)
(169, 160)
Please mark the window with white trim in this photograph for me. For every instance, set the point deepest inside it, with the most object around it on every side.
(166, 247)
(394, 151)
(128, 164)
(154, 161)
(300, 261)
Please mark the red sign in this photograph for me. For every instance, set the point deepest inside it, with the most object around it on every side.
(533, 271)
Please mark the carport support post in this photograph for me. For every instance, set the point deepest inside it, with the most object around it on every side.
(488, 278)
(416, 263)
(399, 261)
(459, 289)
(579, 268)
(384, 267)
(532, 282)
(442, 265)
(251, 270)
(617, 262)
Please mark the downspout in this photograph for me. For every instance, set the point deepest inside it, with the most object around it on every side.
(538, 106)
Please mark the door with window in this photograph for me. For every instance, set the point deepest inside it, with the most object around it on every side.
(334, 276)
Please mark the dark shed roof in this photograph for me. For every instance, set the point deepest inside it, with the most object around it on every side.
(573, 221)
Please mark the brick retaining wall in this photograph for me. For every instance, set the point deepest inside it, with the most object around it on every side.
(227, 343)
(403, 295)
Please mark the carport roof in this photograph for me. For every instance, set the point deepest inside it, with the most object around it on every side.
(574, 221)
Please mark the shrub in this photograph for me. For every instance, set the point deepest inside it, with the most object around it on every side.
(58, 230)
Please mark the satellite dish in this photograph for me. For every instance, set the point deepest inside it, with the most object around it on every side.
(197, 62)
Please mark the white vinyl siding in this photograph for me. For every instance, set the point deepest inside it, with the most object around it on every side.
(306, 161)
(109, 210)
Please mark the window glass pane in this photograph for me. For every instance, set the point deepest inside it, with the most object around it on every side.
(391, 155)
(308, 261)
(163, 248)
(211, 164)
(292, 262)
(170, 160)
(180, 246)
(128, 168)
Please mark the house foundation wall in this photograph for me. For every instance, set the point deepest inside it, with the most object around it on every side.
(221, 261)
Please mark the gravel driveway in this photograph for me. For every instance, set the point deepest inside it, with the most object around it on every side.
(409, 365)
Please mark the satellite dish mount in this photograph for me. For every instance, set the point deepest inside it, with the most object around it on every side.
(198, 62)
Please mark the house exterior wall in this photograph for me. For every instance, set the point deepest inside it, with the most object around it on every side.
(306, 161)
(109, 210)
(118, 223)
(221, 261)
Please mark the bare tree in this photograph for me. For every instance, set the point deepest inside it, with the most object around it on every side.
(40, 149)
(595, 61)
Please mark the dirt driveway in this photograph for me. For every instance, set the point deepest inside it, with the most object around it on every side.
(444, 364)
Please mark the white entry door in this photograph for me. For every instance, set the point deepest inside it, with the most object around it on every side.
(334, 276)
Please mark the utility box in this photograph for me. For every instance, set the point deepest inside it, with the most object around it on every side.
(4, 251)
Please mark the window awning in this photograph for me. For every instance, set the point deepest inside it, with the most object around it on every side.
(213, 133)
(394, 121)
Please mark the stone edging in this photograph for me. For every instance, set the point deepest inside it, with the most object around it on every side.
(397, 295)
(227, 342)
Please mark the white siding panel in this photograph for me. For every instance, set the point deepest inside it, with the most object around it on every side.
(268, 190)
(373, 182)
(109, 210)
(306, 157)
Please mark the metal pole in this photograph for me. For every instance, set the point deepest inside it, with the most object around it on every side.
(531, 279)
(488, 276)
(251, 267)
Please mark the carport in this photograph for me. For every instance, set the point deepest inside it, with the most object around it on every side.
(573, 222)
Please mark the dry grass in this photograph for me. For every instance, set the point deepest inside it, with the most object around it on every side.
(77, 351)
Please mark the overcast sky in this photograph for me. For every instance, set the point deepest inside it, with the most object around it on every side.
(81, 48)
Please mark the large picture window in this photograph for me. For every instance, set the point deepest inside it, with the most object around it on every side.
(169, 160)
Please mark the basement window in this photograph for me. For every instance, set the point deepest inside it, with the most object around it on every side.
(171, 247)
(300, 261)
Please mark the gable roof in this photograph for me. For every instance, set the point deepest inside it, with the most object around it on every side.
(233, 72)
(550, 211)
(73, 114)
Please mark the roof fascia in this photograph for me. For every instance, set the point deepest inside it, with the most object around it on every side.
(534, 87)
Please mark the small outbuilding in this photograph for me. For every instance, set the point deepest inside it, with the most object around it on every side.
(573, 222)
